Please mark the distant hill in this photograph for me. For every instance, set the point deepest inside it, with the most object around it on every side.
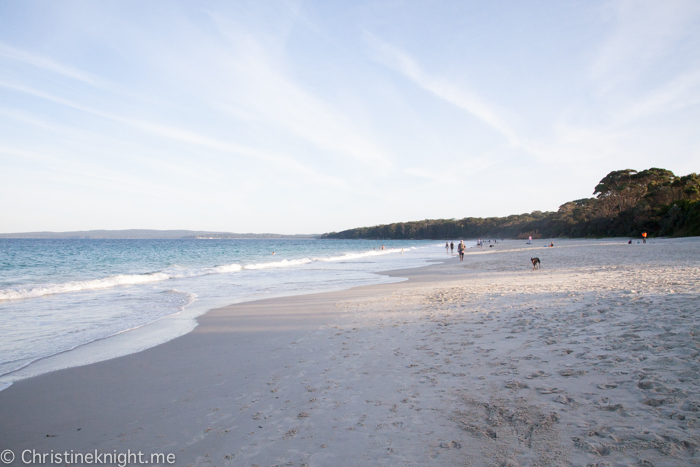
(147, 234)
(627, 203)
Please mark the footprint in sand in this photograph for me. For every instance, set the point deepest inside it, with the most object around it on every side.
(516, 385)
(548, 390)
(571, 372)
(538, 374)
(566, 400)
(451, 445)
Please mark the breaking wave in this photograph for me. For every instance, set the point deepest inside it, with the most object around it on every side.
(33, 291)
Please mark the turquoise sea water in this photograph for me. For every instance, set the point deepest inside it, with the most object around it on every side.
(56, 295)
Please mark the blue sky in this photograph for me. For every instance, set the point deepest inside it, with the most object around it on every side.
(309, 117)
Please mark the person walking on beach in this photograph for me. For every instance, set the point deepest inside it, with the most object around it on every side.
(447, 247)
(460, 249)
(452, 247)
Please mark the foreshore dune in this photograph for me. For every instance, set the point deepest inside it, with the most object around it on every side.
(591, 360)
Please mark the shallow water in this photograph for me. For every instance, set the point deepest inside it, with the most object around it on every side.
(56, 295)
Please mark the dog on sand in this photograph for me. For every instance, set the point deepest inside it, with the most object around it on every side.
(535, 263)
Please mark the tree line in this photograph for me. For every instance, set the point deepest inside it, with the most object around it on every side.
(625, 204)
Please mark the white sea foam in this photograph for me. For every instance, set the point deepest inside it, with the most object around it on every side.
(285, 263)
(112, 281)
(171, 273)
(364, 254)
(228, 268)
(177, 273)
(76, 286)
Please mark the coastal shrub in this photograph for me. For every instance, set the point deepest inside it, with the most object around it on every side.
(626, 203)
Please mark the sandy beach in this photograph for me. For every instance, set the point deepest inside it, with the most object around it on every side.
(591, 360)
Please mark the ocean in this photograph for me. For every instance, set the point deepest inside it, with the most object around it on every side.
(59, 295)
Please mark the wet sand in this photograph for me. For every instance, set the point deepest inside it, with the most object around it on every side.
(591, 360)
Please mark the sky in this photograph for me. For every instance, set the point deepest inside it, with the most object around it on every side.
(317, 116)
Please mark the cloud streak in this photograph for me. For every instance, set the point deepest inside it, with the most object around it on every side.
(642, 33)
(184, 135)
(352, 118)
(395, 58)
(279, 100)
(44, 63)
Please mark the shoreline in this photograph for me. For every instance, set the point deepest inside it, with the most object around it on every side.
(158, 331)
(470, 363)
(33, 405)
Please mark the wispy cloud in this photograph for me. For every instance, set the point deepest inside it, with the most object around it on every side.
(501, 120)
(642, 32)
(395, 58)
(187, 136)
(347, 116)
(57, 165)
(678, 93)
(268, 91)
(24, 56)
(184, 135)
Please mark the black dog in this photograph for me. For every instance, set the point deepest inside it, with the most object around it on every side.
(535, 263)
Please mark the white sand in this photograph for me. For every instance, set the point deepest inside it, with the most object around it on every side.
(592, 360)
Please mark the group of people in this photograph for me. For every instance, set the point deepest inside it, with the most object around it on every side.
(480, 243)
(644, 238)
(461, 248)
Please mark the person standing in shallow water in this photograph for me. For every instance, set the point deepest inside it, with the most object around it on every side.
(452, 247)
(460, 249)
